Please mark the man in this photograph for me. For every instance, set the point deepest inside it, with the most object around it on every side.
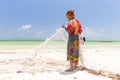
(73, 29)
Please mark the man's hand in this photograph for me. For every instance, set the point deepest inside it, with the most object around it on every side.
(63, 26)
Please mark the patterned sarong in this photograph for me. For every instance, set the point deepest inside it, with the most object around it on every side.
(73, 49)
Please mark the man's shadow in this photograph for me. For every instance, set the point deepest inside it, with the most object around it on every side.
(65, 72)
(94, 72)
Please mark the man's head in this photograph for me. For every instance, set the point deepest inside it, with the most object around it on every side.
(70, 14)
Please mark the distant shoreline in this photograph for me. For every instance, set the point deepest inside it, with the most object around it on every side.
(24, 40)
(58, 40)
(102, 41)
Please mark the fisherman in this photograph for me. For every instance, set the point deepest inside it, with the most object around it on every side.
(74, 29)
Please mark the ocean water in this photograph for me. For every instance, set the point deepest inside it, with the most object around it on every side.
(34, 43)
(20, 43)
(104, 44)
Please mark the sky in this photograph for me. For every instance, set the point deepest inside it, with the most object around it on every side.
(39, 19)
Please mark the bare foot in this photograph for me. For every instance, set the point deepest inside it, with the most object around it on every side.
(69, 70)
(81, 67)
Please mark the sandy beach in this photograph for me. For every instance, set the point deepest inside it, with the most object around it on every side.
(49, 63)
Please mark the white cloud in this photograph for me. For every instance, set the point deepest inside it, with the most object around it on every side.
(89, 32)
(38, 33)
(26, 27)
(93, 33)
(25, 30)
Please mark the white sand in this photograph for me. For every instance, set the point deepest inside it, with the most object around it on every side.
(50, 64)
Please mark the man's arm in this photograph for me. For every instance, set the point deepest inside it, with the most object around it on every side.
(63, 26)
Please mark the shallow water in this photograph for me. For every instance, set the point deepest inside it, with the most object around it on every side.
(34, 43)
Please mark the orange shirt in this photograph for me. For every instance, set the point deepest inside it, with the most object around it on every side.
(74, 27)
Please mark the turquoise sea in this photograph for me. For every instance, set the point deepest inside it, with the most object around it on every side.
(33, 43)
(19, 43)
